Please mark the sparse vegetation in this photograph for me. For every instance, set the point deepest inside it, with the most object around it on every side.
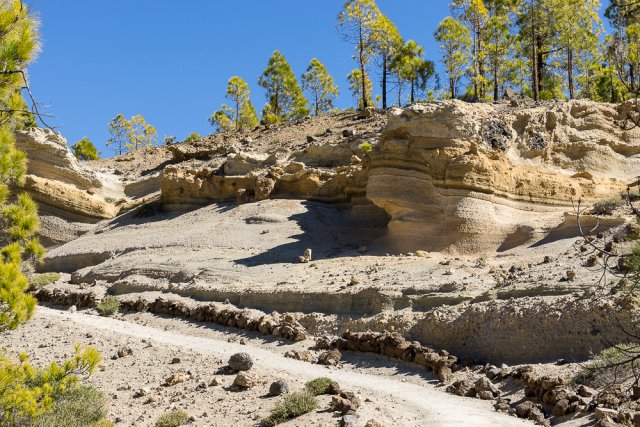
(318, 386)
(612, 365)
(172, 419)
(37, 281)
(292, 406)
(108, 306)
(606, 207)
(79, 407)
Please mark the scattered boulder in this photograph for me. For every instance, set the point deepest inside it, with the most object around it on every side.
(330, 358)
(244, 380)
(278, 388)
(240, 362)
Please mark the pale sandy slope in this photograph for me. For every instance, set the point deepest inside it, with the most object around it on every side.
(423, 402)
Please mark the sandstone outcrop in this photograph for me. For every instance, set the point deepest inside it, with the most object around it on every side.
(480, 177)
(50, 158)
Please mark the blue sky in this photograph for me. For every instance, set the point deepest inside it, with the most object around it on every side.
(170, 60)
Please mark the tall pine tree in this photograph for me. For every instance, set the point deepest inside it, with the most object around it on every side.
(357, 23)
(18, 46)
(320, 85)
(285, 100)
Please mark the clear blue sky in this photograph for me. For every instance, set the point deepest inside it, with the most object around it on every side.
(170, 60)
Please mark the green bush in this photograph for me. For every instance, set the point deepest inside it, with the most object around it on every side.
(318, 386)
(172, 419)
(37, 281)
(366, 147)
(76, 407)
(292, 406)
(108, 306)
(606, 207)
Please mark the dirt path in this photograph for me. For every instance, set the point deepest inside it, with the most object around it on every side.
(435, 407)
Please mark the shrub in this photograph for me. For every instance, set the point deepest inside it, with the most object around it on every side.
(78, 407)
(606, 207)
(172, 419)
(366, 147)
(37, 281)
(612, 364)
(318, 386)
(108, 306)
(292, 406)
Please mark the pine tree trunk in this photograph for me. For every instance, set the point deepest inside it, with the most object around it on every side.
(570, 73)
(534, 55)
(413, 91)
(495, 82)
(540, 63)
(384, 81)
(365, 103)
(452, 87)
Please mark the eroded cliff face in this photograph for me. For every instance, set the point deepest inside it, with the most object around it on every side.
(468, 178)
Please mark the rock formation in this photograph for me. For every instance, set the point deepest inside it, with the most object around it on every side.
(480, 177)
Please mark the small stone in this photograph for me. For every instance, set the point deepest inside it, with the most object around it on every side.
(354, 281)
(278, 387)
(72, 309)
(423, 254)
(304, 355)
(373, 423)
(240, 362)
(485, 395)
(333, 389)
(561, 408)
(175, 361)
(450, 272)
(349, 421)
(214, 382)
(244, 380)
(606, 414)
(571, 275)
(444, 373)
(523, 409)
(348, 133)
(586, 391)
(125, 351)
(561, 362)
(311, 138)
(176, 379)
(330, 358)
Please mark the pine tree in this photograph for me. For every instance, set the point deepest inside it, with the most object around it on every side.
(119, 131)
(85, 150)
(284, 95)
(244, 113)
(475, 15)
(387, 42)
(498, 43)
(18, 46)
(222, 120)
(413, 68)
(356, 85)
(454, 40)
(141, 134)
(624, 46)
(320, 85)
(130, 135)
(358, 23)
(578, 28)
